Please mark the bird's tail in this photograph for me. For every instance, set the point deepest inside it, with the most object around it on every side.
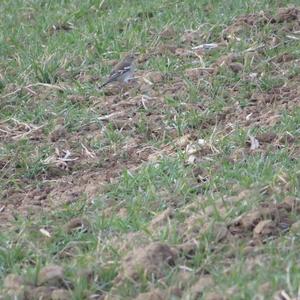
(103, 85)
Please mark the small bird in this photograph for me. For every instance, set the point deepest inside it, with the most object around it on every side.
(122, 72)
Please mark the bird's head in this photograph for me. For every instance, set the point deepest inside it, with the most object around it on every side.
(131, 56)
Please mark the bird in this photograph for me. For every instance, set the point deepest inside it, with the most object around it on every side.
(122, 72)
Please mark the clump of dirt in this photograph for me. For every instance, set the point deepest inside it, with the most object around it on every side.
(14, 286)
(77, 224)
(151, 260)
(250, 20)
(197, 73)
(168, 32)
(50, 281)
(197, 289)
(161, 219)
(51, 275)
(132, 240)
(155, 294)
(289, 16)
(266, 221)
(59, 132)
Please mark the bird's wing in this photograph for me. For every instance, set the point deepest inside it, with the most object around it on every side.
(118, 72)
(114, 75)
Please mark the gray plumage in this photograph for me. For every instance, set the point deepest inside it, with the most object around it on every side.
(122, 72)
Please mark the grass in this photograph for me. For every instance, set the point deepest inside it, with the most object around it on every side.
(54, 54)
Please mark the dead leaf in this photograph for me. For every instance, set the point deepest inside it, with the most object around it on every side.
(45, 232)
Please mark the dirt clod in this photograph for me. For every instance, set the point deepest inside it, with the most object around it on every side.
(266, 137)
(191, 37)
(155, 77)
(288, 14)
(60, 294)
(13, 287)
(51, 275)
(219, 231)
(236, 67)
(214, 296)
(58, 133)
(12, 281)
(150, 260)
(161, 219)
(196, 73)
(202, 283)
(295, 228)
(188, 248)
(77, 224)
(152, 295)
(265, 288)
(40, 293)
(168, 32)
(265, 229)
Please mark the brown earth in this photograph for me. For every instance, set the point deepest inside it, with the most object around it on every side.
(73, 172)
